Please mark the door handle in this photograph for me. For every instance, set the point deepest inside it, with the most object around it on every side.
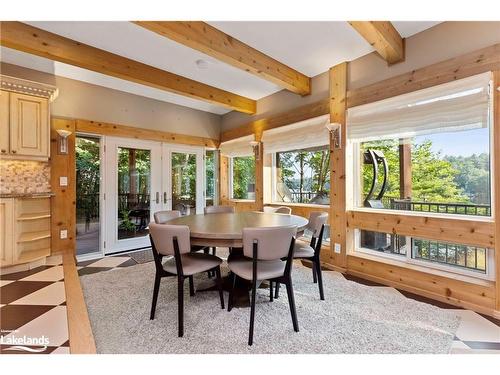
(165, 197)
(157, 197)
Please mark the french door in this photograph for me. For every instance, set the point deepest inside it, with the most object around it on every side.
(142, 177)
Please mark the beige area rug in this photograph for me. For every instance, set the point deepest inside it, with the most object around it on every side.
(354, 318)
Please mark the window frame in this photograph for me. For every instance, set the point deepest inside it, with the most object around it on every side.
(408, 259)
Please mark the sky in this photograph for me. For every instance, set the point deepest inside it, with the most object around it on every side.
(463, 143)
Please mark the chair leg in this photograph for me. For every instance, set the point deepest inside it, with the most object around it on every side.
(180, 305)
(191, 286)
(155, 296)
(320, 281)
(315, 278)
(271, 292)
(219, 284)
(291, 302)
(231, 293)
(252, 312)
(277, 290)
(206, 251)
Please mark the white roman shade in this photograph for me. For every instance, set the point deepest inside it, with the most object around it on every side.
(237, 147)
(301, 135)
(453, 106)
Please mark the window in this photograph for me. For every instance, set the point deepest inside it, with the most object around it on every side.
(302, 176)
(242, 177)
(459, 258)
(427, 151)
(301, 161)
(211, 163)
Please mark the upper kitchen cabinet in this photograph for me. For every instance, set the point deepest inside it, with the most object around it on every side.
(25, 119)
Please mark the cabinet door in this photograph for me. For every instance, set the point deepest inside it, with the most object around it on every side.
(4, 122)
(29, 125)
(6, 232)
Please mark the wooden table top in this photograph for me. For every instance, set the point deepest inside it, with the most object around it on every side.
(226, 229)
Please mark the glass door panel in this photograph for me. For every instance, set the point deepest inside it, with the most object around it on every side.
(183, 179)
(134, 191)
(133, 187)
(183, 174)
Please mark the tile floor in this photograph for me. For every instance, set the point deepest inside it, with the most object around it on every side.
(33, 316)
(33, 304)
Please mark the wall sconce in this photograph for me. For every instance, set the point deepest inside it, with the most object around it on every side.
(256, 149)
(63, 141)
(335, 130)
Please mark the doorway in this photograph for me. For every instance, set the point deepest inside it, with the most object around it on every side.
(142, 177)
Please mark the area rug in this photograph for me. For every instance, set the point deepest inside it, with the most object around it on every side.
(142, 256)
(354, 318)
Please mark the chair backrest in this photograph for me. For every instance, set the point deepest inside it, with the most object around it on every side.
(316, 221)
(269, 209)
(272, 242)
(162, 236)
(283, 210)
(162, 217)
(219, 209)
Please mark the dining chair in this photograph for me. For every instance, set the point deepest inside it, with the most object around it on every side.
(174, 241)
(264, 250)
(161, 217)
(219, 209)
(277, 210)
(284, 210)
(311, 251)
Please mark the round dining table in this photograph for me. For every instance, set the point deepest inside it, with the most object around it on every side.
(226, 229)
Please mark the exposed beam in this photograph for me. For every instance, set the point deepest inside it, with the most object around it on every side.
(213, 42)
(384, 37)
(39, 42)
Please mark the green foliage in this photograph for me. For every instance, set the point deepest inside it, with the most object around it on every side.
(243, 176)
(184, 177)
(473, 176)
(210, 174)
(433, 177)
(87, 177)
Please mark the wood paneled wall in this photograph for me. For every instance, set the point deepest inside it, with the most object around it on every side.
(64, 202)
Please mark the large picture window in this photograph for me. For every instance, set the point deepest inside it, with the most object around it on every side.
(302, 176)
(426, 152)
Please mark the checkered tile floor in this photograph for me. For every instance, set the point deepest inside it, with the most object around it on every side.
(33, 304)
(33, 307)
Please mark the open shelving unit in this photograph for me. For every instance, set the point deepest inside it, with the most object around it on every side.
(32, 229)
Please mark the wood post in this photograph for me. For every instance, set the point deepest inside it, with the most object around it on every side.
(496, 184)
(63, 204)
(338, 217)
(405, 185)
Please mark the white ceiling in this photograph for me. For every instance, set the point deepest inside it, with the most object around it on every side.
(309, 47)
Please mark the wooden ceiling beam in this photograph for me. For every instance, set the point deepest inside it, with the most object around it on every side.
(26, 38)
(213, 42)
(384, 37)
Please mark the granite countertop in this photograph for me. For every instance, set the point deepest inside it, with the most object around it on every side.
(26, 195)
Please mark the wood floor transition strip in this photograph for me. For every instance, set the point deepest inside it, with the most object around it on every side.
(81, 339)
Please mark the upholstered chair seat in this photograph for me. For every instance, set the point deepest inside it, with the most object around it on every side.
(193, 263)
(302, 250)
(266, 269)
